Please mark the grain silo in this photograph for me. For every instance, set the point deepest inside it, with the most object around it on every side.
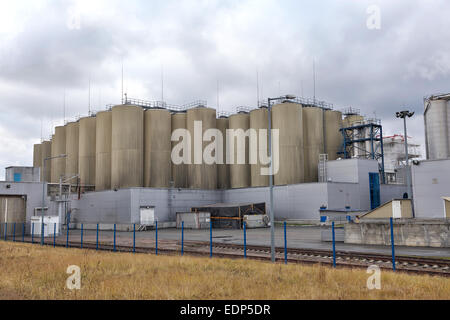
(437, 131)
(46, 152)
(86, 153)
(200, 174)
(179, 171)
(157, 148)
(127, 147)
(37, 156)
(259, 120)
(287, 118)
(72, 148)
(58, 165)
(333, 135)
(313, 141)
(240, 165)
(223, 170)
(103, 151)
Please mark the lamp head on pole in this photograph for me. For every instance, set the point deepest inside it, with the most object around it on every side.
(404, 114)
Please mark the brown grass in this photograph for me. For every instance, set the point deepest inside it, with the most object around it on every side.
(35, 272)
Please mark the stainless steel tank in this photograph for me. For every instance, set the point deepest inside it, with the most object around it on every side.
(72, 148)
(259, 120)
(58, 165)
(313, 141)
(46, 152)
(103, 130)
(179, 171)
(437, 131)
(157, 148)
(86, 153)
(333, 135)
(240, 168)
(223, 170)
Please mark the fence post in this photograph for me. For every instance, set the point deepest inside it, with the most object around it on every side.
(334, 244)
(134, 238)
(391, 221)
(42, 230)
(67, 235)
(96, 242)
(14, 233)
(23, 232)
(245, 240)
(156, 236)
(285, 243)
(210, 239)
(6, 229)
(54, 235)
(32, 233)
(182, 237)
(82, 235)
(114, 237)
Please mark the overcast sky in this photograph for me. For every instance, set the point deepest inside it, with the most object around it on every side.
(51, 47)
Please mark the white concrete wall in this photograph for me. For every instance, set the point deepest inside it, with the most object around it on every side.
(431, 182)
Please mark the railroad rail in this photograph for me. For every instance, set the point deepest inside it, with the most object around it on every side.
(408, 264)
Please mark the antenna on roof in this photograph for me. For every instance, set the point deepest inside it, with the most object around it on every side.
(218, 105)
(162, 83)
(64, 107)
(121, 98)
(89, 104)
(314, 79)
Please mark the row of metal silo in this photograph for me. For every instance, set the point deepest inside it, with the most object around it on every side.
(129, 146)
(437, 127)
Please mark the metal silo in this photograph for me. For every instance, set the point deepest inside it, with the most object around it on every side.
(200, 174)
(103, 151)
(287, 118)
(127, 147)
(72, 148)
(240, 169)
(37, 156)
(259, 119)
(86, 153)
(437, 131)
(58, 165)
(313, 141)
(157, 148)
(333, 135)
(179, 171)
(46, 152)
(223, 170)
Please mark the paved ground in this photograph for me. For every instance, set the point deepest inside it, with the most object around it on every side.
(297, 237)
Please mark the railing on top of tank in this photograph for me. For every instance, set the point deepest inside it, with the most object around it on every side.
(223, 114)
(303, 101)
(243, 109)
(194, 104)
(350, 111)
(164, 105)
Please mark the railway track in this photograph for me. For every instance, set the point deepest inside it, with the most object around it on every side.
(417, 265)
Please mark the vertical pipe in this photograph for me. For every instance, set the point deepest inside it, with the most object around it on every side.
(54, 235)
(14, 233)
(334, 245)
(42, 230)
(114, 237)
(271, 213)
(32, 232)
(23, 232)
(210, 238)
(391, 221)
(182, 237)
(156, 238)
(134, 238)
(6, 229)
(285, 243)
(96, 242)
(245, 240)
(81, 241)
(67, 235)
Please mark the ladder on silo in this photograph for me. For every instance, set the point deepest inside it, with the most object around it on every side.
(323, 174)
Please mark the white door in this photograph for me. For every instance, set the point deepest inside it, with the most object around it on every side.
(147, 216)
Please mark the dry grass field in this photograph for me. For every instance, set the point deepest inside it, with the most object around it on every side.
(35, 272)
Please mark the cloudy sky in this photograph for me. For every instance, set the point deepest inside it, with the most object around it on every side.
(204, 49)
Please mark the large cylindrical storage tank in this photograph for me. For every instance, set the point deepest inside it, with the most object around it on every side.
(46, 152)
(37, 155)
(437, 131)
(240, 168)
(287, 118)
(223, 170)
(179, 171)
(127, 145)
(86, 159)
(157, 148)
(313, 141)
(58, 166)
(259, 120)
(353, 120)
(200, 174)
(333, 135)
(72, 148)
(103, 130)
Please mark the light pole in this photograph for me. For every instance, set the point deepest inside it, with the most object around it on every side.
(43, 193)
(403, 115)
(271, 213)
